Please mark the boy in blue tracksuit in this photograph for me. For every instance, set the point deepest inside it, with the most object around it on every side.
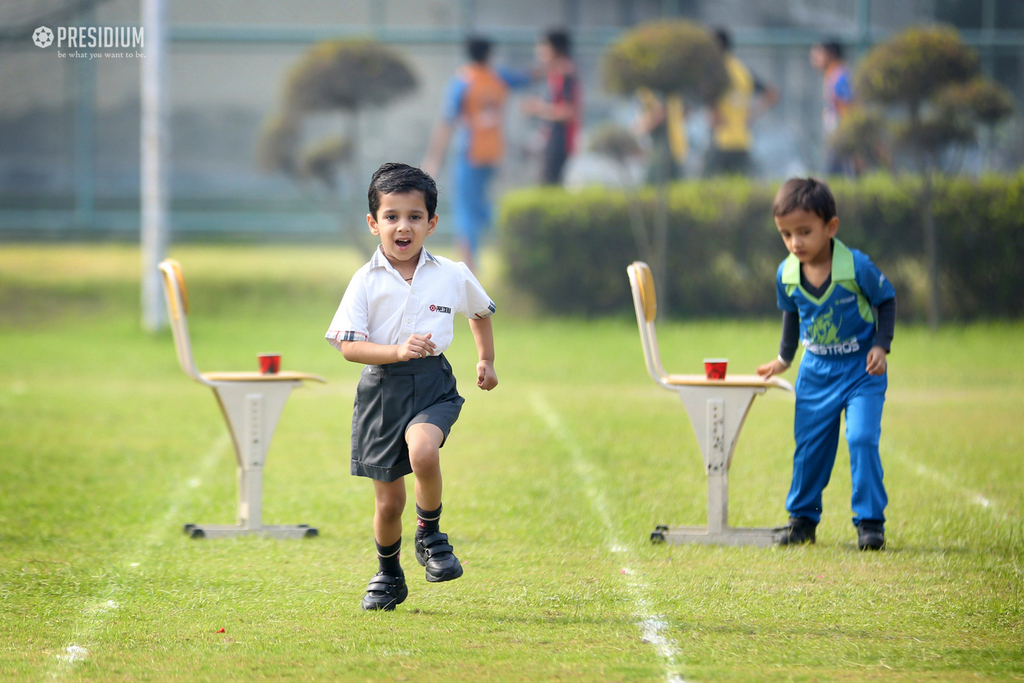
(827, 292)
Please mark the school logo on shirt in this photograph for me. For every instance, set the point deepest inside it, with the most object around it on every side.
(439, 309)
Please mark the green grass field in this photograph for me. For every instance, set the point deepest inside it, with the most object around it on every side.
(554, 482)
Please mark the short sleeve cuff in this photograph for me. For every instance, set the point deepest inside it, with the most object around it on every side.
(484, 314)
(335, 337)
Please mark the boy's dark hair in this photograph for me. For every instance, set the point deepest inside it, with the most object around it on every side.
(559, 41)
(724, 39)
(396, 178)
(806, 194)
(833, 47)
(478, 49)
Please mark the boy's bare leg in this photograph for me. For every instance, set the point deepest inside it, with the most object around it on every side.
(424, 441)
(389, 502)
(432, 548)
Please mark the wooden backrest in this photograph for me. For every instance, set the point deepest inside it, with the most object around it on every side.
(177, 307)
(645, 302)
(173, 270)
(645, 286)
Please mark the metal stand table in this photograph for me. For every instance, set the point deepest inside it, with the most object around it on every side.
(717, 409)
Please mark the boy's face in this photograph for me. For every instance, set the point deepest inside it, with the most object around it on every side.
(402, 225)
(807, 236)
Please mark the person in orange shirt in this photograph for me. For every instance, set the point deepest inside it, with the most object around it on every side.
(474, 111)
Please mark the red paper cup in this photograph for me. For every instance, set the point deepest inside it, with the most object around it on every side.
(714, 368)
(270, 363)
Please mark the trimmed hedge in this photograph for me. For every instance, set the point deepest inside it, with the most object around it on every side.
(570, 249)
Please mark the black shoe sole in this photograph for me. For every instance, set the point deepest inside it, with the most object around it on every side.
(783, 538)
(787, 544)
(449, 575)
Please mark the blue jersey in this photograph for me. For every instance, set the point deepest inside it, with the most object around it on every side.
(841, 323)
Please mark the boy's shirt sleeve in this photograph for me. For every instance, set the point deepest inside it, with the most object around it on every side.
(351, 321)
(875, 286)
(783, 299)
(475, 304)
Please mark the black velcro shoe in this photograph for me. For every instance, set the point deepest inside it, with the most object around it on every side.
(870, 535)
(434, 553)
(386, 591)
(798, 530)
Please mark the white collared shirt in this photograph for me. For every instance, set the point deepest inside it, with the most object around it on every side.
(379, 306)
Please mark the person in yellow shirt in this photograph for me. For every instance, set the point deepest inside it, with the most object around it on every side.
(746, 99)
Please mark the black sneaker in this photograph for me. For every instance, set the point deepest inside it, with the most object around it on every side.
(798, 530)
(434, 553)
(386, 591)
(870, 535)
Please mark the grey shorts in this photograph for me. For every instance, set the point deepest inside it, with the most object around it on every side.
(389, 399)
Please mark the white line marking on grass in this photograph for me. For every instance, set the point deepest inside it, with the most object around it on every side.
(91, 619)
(652, 626)
(947, 482)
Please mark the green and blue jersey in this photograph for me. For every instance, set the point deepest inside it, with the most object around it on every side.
(840, 323)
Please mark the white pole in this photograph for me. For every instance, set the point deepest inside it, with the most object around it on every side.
(153, 231)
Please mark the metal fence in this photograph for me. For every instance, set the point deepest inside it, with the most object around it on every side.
(69, 126)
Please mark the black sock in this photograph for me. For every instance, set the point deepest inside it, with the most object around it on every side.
(388, 557)
(427, 521)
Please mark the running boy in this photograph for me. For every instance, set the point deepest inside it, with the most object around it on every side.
(826, 292)
(397, 317)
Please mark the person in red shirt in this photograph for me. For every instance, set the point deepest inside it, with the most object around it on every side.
(562, 107)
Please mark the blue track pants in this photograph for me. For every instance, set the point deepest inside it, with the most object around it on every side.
(824, 388)
(470, 204)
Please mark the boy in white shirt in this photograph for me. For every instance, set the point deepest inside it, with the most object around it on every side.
(397, 317)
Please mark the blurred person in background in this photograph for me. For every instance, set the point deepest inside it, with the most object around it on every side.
(562, 108)
(746, 99)
(663, 120)
(474, 110)
(827, 57)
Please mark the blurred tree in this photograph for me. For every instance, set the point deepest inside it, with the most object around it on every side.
(861, 136)
(343, 76)
(932, 78)
(670, 58)
(620, 146)
(278, 144)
